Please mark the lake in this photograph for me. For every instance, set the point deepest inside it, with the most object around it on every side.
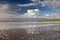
(29, 31)
(45, 26)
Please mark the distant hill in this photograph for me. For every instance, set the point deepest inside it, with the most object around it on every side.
(49, 20)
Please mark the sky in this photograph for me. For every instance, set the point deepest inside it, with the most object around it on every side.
(29, 10)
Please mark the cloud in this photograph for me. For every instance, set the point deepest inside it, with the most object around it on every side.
(33, 13)
(36, 13)
(35, 0)
(4, 11)
(52, 15)
(52, 0)
(4, 6)
(51, 3)
(25, 5)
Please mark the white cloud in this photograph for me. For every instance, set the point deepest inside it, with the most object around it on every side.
(3, 6)
(53, 15)
(31, 13)
(52, 0)
(4, 11)
(35, 0)
(36, 13)
(51, 3)
(30, 4)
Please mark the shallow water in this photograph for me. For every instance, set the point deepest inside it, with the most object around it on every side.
(45, 26)
(36, 31)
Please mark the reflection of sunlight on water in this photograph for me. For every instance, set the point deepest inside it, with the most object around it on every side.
(28, 25)
(3, 27)
(32, 25)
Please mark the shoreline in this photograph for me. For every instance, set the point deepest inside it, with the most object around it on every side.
(27, 22)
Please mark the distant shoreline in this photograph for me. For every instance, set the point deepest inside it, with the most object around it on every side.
(30, 22)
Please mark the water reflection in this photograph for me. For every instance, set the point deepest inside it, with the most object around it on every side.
(40, 26)
(30, 31)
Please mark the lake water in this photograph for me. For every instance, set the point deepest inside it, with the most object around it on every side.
(36, 31)
(43, 26)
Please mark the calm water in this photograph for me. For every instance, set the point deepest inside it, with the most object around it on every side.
(36, 29)
(44, 26)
